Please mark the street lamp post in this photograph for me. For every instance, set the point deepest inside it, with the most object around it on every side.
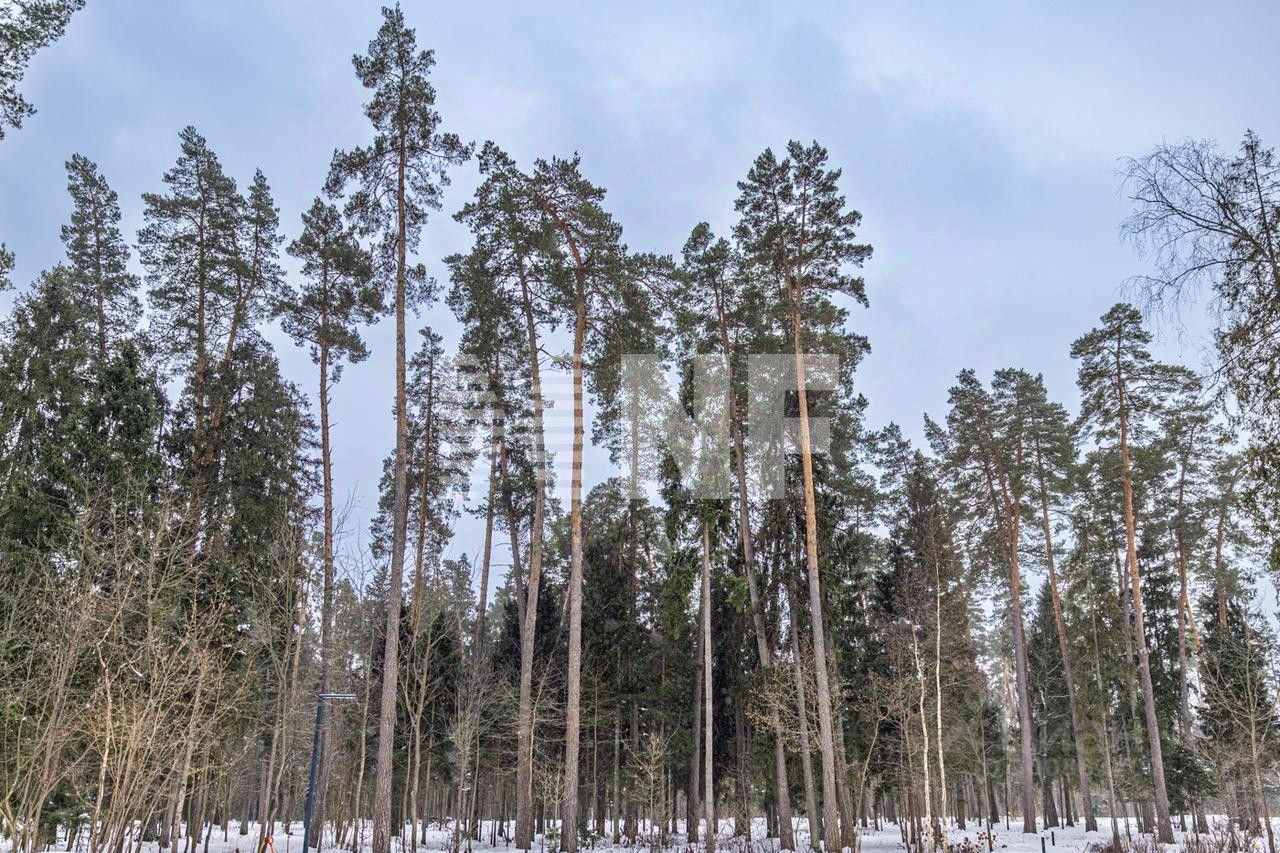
(315, 763)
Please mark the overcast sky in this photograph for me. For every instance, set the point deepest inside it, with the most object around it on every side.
(980, 142)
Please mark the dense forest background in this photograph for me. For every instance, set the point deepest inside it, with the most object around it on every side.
(1038, 615)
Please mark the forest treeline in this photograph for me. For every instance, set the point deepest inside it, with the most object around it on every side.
(1037, 619)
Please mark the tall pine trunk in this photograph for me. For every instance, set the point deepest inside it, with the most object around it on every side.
(400, 517)
(937, 695)
(802, 724)
(326, 601)
(424, 494)
(708, 783)
(1082, 770)
(826, 738)
(925, 762)
(1186, 620)
(1026, 733)
(786, 837)
(692, 802)
(1164, 828)
(573, 691)
(482, 601)
(524, 719)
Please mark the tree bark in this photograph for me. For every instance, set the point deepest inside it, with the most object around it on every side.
(708, 784)
(424, 499)
(326, 603)
(1164, 828)
(524, 719)
(573, 691)
(826, 736)
(1082, 770)
(692, 802)
(1024, 700)
(482, 603)
(802, 723)
(786, 836)
(937, 694)
(395, 570)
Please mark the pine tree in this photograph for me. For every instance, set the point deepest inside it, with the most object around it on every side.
(715, 302)
(509, 269)
(188, 248)
(399, 180)
(796, 229)
(26, 26)
(595, 264)
(1120, 386)
(986, 446)
(1052, 451)
(257, 281)
(96, 253)
(326, 314)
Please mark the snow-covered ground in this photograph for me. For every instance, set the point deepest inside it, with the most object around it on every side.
(887, 839)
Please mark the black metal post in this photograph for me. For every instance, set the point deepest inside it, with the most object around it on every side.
(315, 768)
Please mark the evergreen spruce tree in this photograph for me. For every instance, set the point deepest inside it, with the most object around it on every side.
(266, 477)
(46, 395)
(125, 462)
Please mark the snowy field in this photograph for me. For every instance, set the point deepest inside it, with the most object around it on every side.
(887, 838)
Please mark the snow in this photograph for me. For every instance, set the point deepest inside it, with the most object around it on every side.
(885, 840)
